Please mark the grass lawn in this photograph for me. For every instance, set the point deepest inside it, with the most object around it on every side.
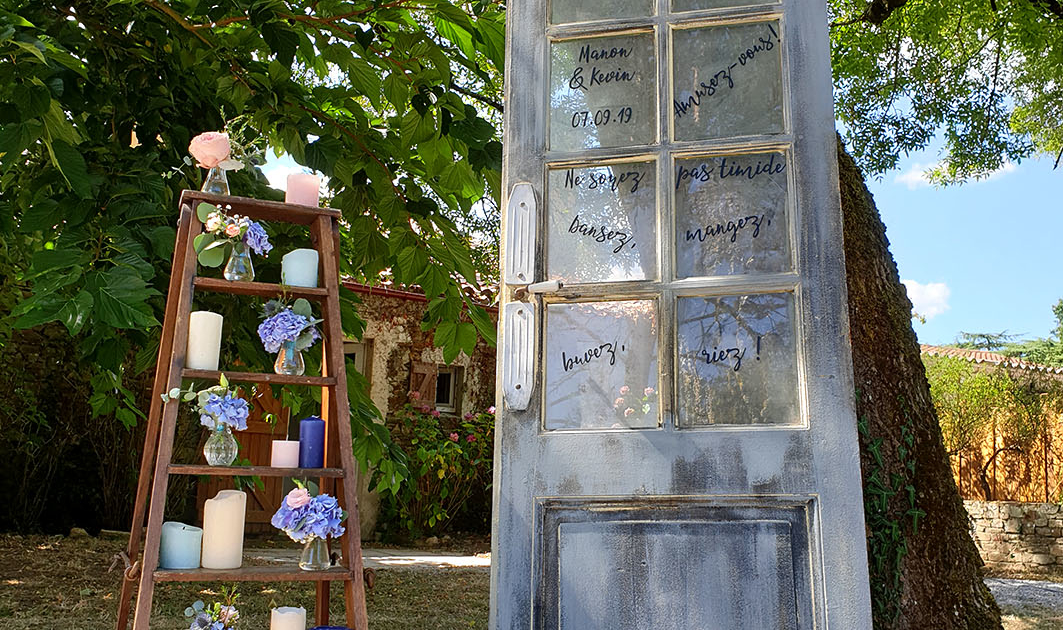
(56, 583)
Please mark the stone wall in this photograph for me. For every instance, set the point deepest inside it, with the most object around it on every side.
(1018, 537)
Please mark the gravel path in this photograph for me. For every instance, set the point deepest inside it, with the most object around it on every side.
(1027, 593)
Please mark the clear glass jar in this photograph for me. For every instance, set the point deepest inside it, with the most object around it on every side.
(221, 447)
(289, 360)
(239, 267)
(315, 556)
(216, 182)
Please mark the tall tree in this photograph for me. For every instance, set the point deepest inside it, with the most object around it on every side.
(370, 93)
(982, 74)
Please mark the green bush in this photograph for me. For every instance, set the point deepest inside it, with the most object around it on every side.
(450, 471)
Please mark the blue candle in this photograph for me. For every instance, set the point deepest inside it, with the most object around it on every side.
(180, 546)
(312, 443)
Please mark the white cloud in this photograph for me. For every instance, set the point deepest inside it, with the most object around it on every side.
(917, 175)
(914, 177)
(928, 300)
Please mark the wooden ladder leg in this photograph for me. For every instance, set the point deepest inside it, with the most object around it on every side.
(151, 437)
(336, 404)
(156, 511)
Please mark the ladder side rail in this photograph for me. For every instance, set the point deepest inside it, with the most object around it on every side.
(157, 507)
(335, 400)
(151, 437)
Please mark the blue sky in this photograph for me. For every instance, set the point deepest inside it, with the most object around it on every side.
(981, 257)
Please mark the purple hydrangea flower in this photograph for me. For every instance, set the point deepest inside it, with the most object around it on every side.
(320, 518)
(230, 410)
(257, 239)
(283, 327)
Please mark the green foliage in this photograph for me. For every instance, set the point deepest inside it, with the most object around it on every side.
(368, 93)
(450, 464)
(984, 341)
(1045, 351)
(891, 513)
(971, 402)
(985, 75)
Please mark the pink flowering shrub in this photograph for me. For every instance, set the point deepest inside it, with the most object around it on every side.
(450, 470)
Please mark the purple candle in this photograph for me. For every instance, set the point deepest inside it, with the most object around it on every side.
(312, 443)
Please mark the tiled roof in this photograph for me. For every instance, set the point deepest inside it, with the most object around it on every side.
(984, 356)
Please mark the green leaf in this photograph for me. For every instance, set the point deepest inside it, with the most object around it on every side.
(302, 307)
(49, 260)
(282, 40)
(483, 323)
(412, 262)
(364, 78)
(17, 137)
(396, 90)
(121, 300)
(203, 211)
(42, 215)
(72, 165)
(213, 258)
(31, 99)
(465, 337)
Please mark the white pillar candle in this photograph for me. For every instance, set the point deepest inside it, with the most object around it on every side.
(287, 618)
(299, 268)
(285, 454)
(223, 530)
(303, 189)
(180, 546)
(204, 340)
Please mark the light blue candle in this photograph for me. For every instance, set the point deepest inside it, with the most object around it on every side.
(180, 546)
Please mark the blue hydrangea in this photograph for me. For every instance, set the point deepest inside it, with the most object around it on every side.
(257, 239)
(320, 518)
(283, 327)
(230, 410)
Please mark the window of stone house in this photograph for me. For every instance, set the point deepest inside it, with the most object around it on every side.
(360, 353)
(438, 386)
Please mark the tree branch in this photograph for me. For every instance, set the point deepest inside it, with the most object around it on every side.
(479, 97)
(878, 11)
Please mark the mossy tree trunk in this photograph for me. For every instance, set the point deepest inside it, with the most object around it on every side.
(925, 569)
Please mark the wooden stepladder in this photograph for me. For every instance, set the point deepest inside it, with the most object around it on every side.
(156, 466)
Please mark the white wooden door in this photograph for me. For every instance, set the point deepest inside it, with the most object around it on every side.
(676, 443)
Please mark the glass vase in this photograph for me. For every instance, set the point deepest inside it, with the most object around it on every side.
(216, 182)
(289, 360)
(221, 447)
(315, 555)
(239, 267)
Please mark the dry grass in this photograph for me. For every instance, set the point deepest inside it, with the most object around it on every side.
(56, 582)
(52, 582)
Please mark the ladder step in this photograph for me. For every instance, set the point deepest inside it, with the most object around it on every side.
(261, 289)
(259, 209)
(286, 573)
(261, 377)
(257, 471)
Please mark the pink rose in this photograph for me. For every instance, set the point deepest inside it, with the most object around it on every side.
(469, 416)
(426, 409)
(617, 403)
(471, 438)
(297, 498)
(210, 149)
(415, 395)
(649, 391)
(628, 412)
(435, 413)
(491, 410)
(453, 437)
(624, 390)
(232, 230)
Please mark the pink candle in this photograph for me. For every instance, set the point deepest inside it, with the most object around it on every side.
(285, 454)
(303, 189)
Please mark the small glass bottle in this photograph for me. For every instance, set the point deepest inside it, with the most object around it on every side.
(221, 447)
(239, 267)
(289, 360)
(216, 182)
